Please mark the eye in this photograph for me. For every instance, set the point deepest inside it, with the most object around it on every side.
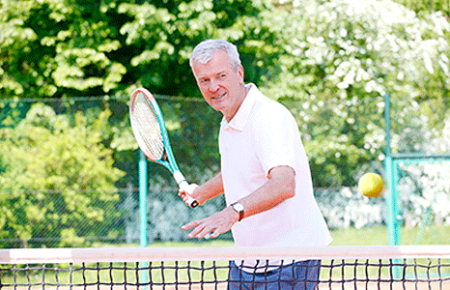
(222, 76)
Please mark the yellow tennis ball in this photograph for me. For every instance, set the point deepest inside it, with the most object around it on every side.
(370, 184)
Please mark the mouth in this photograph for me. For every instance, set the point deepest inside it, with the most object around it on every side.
(218, 97)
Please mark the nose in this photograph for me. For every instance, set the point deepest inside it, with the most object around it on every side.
(213, 86)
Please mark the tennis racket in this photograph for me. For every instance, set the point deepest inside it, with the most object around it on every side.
(150, 132)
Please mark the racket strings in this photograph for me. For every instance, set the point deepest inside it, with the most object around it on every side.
(148, 127)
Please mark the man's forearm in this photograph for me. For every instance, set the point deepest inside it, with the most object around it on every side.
(279, 187)
(209, 189)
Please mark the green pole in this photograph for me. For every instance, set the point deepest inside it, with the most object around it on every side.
(390, 198)
(395, 217)
(395, 210)
(391, 177)
(390, 201)
(387, 120)
(143, 192)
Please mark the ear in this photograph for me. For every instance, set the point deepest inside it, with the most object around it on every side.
(240, 72)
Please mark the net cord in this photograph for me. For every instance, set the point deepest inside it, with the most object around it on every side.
(92, 255)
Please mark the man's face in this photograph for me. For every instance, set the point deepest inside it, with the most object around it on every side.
(221, 85)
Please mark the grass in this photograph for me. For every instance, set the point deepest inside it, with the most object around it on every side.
(378, 235)
(370, 236)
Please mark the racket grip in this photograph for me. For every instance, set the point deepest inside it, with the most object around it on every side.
(191, 202)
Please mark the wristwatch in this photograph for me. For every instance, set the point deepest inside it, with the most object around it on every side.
(239, 208)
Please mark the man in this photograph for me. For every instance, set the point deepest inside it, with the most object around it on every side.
(264, 169)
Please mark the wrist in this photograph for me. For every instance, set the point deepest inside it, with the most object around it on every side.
(239, 209)
(199, 194)
(232, 213)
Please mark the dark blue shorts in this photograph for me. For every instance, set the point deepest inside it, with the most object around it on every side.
(302, 275)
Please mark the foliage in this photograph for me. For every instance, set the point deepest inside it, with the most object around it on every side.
(49, 152)
(347, 207)
(426, 7)
(341, 58)
(63, 49)
(52, 48)
(425, 190)
(193, 129)
(329, 61)
(332, 59)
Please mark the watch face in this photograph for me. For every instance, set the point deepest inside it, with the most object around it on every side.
(238, 207)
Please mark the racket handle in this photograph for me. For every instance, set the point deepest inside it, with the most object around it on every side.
(191, 202)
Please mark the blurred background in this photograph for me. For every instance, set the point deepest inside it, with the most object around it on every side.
(68, 159)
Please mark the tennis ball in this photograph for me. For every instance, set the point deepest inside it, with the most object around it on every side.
(370, 184)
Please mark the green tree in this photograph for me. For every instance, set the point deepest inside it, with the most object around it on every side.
(54, 48)
(427, 7)
(57, 178)
(64, 49)
(341, 58)
(330, 62)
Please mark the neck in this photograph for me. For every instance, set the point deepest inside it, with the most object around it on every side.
(245, 90)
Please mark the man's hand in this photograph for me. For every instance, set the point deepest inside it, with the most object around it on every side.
(189, 190)
(219, 223)
(204, 192)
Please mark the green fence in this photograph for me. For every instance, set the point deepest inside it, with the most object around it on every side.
(69, 170)
(69, 176)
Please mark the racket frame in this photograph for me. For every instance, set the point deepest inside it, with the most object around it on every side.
(168, 159)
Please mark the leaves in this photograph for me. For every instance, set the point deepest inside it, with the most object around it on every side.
(334, 75)
(330, 62)
(64, 155)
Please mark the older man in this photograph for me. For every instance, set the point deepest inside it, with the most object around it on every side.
(264, 173)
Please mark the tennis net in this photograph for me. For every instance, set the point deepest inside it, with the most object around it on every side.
(340, 267)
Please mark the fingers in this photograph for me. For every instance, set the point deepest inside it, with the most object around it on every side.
(218, 232)
(202, 230)
(190, 225)
(216, 224)
(184, 197)
(198, 232)
(199, 229)
(186, 192)
(188, 200)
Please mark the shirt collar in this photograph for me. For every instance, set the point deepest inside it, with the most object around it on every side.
(240, 119)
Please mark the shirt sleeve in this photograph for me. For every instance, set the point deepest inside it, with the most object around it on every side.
(277, 138)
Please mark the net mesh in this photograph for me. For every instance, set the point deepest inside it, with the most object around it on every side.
(400, 267)
(147, 126)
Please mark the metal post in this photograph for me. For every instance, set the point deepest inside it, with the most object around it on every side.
(395, 208)
(391, 198)
(387, 120)
(143, 192)
(391, 169)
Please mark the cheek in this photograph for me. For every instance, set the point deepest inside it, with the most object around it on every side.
(205, 91)
(205, 94)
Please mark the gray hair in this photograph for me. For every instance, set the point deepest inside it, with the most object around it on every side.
(205, 51)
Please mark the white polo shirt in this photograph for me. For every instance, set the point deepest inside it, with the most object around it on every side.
(262, 135)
